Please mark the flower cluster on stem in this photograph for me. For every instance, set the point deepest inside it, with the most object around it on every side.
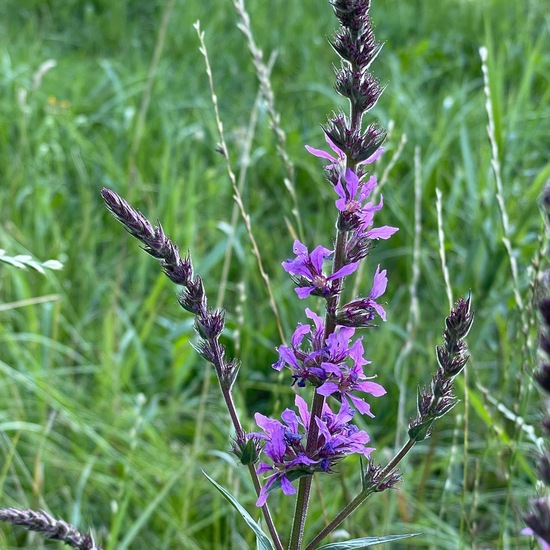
(209, 323)
(326, 354)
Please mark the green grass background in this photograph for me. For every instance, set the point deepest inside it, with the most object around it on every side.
(100, 389)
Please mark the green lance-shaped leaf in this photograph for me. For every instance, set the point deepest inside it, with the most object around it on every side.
(263, 542)
(366, 542)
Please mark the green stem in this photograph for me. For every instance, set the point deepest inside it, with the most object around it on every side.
(342, 515)
(304, 487)
(392, 464)
(230, 404)
(361, 497)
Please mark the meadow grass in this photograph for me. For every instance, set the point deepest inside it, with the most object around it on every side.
(107, 414)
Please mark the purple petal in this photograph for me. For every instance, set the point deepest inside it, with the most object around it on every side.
(304, 292)
(323, 429)
(340, 191)
(373, 157)
(334, 147)
(362, 406)
(299, 333)
(286, 486)
(317, 320)
(296, 267)
(287, 356)
(263, 467)
(319, 153)
(328, 388)
(356, 352)
(380, 310)
(344, 414)
(290, 419)
(371, 387)
(384, 232)
(262, 497)
(344, 271)
(264, 422)
(352, 183)
(317, 257)
(331, 368)
(276, 451)
(298, 248)
(303, 410)
(367, 188)
(379, 284)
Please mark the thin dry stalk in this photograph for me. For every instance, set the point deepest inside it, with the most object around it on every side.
(263, 73)
(414, 310)
(237, 194)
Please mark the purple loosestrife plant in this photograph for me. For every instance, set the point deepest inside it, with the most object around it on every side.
(325, 355)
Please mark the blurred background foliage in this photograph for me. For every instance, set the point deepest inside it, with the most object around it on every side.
(107, 414)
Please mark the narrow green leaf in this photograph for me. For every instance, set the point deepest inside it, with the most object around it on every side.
(263, 542)
(366, 542)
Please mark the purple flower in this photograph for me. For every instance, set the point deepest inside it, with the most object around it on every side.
(360, 312)
(305, 364)
(348, 202)
(344, 379)
(308, 269)
(339, 161)
(332, 366)
(285, 445)
(357, 215)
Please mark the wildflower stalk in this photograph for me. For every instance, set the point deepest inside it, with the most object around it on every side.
(304, 488)
(434, 401)
(51, 528)
(209, 323)
(362, 96)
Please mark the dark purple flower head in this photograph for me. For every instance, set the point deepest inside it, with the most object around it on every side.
(308, 271)
(359, 147)
(360, 87)
(361, 52)
(285, 445)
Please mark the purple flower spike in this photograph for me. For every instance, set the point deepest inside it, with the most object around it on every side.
(285, 445)
(308, 271)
